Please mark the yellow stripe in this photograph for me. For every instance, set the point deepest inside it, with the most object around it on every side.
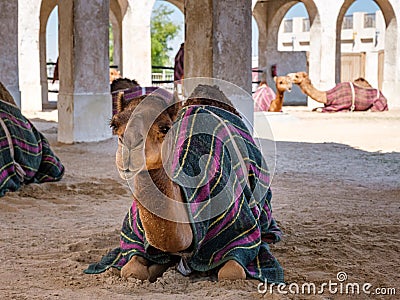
(129, 239)
(188, 144)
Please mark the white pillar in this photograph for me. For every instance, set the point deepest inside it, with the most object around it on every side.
(9, 48)
(323, 48)
(84, 101)
(136, 41)
(29, 56)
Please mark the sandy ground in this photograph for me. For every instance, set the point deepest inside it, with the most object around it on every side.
(336, 195)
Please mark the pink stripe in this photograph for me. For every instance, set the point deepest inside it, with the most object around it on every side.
(256, 235)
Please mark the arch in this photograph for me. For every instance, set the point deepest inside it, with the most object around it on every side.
(116, 13)
(46, 8)
(391, 59)
(269, 16)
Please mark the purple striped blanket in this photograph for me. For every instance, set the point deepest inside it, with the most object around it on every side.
(31, 151)
(340, 98)
(229, 205)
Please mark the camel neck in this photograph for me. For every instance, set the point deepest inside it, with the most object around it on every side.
(164, 218)
(308, 88)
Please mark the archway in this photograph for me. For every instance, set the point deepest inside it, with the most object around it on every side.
(47, 7)
(170, 11)
(277, 60)
(374, 39)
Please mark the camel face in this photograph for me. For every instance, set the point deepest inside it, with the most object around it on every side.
(283, 83)
(298, 77)
(141, 129)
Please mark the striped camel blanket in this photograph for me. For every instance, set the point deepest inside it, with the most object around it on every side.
(25, 154)
(347, 96)
(226, 186)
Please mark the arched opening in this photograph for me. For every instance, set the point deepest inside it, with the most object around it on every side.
(115, 36)
(381, 61)
(257, 74)
(48, 48)
(361, 42)
(277, 60)
(294, 30)
(166, 40)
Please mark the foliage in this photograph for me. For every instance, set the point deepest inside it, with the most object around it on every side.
(111, 44)
(163, 30)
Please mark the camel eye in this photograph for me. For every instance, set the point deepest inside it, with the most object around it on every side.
(164, 129)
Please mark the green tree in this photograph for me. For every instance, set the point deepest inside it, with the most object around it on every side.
(111, 44)
(163, 30)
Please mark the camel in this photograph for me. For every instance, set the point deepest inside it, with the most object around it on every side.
(25, 154)
(114, 74)
(283, 84)
(5, 95)
(162, 226)
(357, 95)
(163, 234)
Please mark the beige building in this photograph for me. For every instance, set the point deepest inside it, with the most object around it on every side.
(217, 44)
(362, 41)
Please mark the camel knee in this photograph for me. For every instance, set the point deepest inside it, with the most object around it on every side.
(136, 267)
(232, 270)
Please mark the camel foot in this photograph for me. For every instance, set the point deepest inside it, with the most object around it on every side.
(232, 270)
(136, 268)
(156, 271)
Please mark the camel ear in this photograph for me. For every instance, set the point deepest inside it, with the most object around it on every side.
(275, 78)
(120, 102)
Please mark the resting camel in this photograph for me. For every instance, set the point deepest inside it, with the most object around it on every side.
(283, 84)
(170, 229)
(25, 154)
(345, 96)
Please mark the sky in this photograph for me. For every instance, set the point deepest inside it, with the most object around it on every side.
(177, 17)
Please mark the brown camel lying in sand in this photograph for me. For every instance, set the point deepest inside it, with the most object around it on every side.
(345, 96)
(168, 215)
(283, 84)
(161, 233)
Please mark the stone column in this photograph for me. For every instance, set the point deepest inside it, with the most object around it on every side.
(136, 41)
(9, 48)
(84, 101)
(218, 44)
(29, 56)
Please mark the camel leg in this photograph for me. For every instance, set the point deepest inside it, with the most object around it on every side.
(137, 268)
(232, 270)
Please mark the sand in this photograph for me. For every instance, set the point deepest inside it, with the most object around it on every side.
(336, 195)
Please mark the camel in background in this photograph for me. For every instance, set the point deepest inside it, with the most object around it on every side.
(283, 84)
(345, 96)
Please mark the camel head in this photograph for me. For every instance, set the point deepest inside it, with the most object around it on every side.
(283, 83)
(141, 126)
(123, 84)
(298, 77)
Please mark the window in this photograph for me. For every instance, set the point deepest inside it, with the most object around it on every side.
(369, 21)
(306, 25)
(288, 26)
(347, 22)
